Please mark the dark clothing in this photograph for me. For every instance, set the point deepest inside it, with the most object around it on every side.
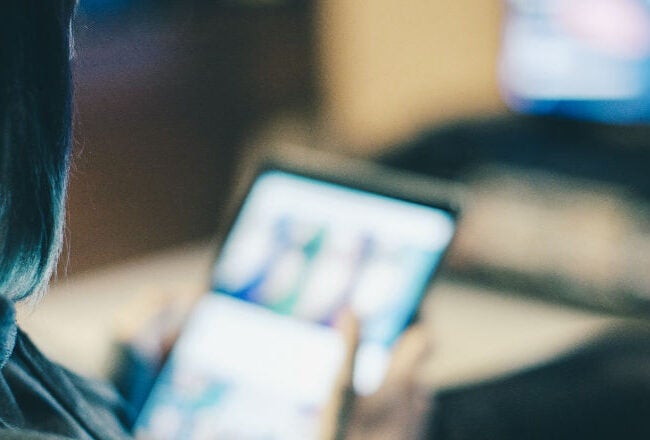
(38, 396)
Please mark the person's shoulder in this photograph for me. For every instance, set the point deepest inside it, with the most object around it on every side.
(68, 404)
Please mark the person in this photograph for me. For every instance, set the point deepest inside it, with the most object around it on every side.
(39, 399)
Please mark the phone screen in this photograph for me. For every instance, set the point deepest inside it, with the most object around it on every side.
(300, 251)
(309, 248)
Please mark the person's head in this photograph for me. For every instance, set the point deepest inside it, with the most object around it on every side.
(35, 138)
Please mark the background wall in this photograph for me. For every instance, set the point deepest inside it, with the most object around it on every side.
(389, 69)
(164, 95)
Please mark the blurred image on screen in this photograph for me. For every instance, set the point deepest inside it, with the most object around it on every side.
(310, 249)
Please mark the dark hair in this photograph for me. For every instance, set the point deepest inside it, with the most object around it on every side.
(35, 139)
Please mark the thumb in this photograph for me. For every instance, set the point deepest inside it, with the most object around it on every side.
(409, 355)
(339, 410)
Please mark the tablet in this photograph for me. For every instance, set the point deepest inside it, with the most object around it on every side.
(309, 248)
(258, 357)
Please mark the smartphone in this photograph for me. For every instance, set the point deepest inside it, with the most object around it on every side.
(258, 358)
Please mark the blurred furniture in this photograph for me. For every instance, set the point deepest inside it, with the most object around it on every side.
(559, 208)
(598, 391)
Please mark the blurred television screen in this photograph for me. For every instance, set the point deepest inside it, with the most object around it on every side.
(586, 59)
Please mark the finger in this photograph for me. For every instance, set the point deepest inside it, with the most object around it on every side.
(409, 355)
(349, 327)
(338, 412)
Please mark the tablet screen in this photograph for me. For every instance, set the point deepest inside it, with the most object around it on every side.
(242, 372)
(310, 248)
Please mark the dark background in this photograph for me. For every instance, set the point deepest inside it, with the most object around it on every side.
(165, 94)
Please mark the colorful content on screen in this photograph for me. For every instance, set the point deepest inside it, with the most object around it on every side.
(310, 249)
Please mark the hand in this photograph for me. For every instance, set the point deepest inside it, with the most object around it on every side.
(397, 409)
